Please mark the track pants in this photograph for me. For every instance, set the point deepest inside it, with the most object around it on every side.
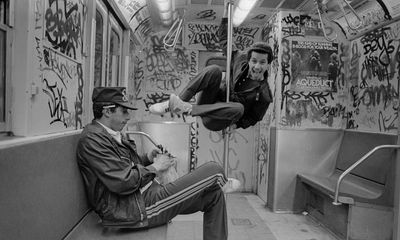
(215, 114)
(199, 190)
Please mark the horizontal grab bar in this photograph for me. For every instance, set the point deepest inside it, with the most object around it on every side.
(362, 159)
(159, 146)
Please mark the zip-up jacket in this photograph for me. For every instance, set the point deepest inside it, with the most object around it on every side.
(257, 97)
(113, 174)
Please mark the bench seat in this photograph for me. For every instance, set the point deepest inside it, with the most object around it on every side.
(90, 228)
(370, 182)
(352, 187)
(366, 193)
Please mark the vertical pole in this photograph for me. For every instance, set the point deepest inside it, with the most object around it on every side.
(228, 79)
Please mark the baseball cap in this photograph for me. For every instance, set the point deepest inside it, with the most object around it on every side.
(116, 95)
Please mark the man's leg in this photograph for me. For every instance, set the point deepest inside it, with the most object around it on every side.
(207, 82)
(199, 190)
(220, 115)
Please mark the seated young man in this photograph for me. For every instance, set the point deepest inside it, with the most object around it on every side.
(120, 184)
(250, 94)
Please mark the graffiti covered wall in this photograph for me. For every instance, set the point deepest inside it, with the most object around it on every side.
(158, 73)
(374, 81)
(240, 163)
(203, 36)
(340, 84)
(58, 76)
(310, 92)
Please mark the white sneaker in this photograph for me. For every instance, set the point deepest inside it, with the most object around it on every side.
(232, 185)
(159, 108)
(177, 106)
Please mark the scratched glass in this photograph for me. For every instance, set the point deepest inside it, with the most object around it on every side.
(2, 74)
(98, 55)
(4, 7)
(113, 76)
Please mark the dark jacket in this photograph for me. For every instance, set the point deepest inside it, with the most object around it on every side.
(113, 173)
(257, 98)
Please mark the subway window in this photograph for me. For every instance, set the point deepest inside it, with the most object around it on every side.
(114, 53)
(4, 54)
(3, 36)
(99, 47)
(108, 44)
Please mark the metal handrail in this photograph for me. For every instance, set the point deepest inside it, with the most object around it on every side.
(227, 131)
(348, 170)
(171, 38)
(159, 146)
(318, 3)
(345, 15)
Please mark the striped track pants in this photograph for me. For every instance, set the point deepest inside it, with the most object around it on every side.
(200, 190)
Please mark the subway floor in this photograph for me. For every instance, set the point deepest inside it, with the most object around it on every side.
(249, 219)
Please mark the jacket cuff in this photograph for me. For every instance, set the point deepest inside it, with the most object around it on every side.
(151, 169)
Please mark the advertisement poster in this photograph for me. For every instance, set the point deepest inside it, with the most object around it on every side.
(314, 66)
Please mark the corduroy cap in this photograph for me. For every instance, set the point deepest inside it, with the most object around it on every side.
(263, 48)
(112, 95)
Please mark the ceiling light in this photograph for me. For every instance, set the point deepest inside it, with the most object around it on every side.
(242, 10)
(165, 15)
(167, 22)
(164, 5)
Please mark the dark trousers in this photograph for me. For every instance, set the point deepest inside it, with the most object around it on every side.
(215, 114)
(199, 190)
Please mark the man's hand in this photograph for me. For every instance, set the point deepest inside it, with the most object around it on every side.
(153, 153)
(162, 162)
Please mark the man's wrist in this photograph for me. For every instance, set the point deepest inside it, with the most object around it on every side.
(152, 168)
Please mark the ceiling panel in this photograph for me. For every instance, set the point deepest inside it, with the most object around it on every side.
(217, 2)
(269, 3)
(292, 4)
(199, 2)
(262, 11)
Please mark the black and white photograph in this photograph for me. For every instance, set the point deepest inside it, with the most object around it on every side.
(199, 120)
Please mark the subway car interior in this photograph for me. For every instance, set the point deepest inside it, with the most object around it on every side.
(320, 164)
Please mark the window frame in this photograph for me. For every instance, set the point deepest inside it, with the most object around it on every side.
(110, 23)
(7, 27)
(104, 13)
(113, 25)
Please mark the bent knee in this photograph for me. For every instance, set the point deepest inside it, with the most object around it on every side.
(214, 167)
(237, 110)
(214, 70)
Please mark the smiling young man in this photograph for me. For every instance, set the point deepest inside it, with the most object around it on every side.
(121, 185)
(250, 94)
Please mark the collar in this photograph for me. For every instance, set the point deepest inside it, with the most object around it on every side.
(116, 135)
(249, 77)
